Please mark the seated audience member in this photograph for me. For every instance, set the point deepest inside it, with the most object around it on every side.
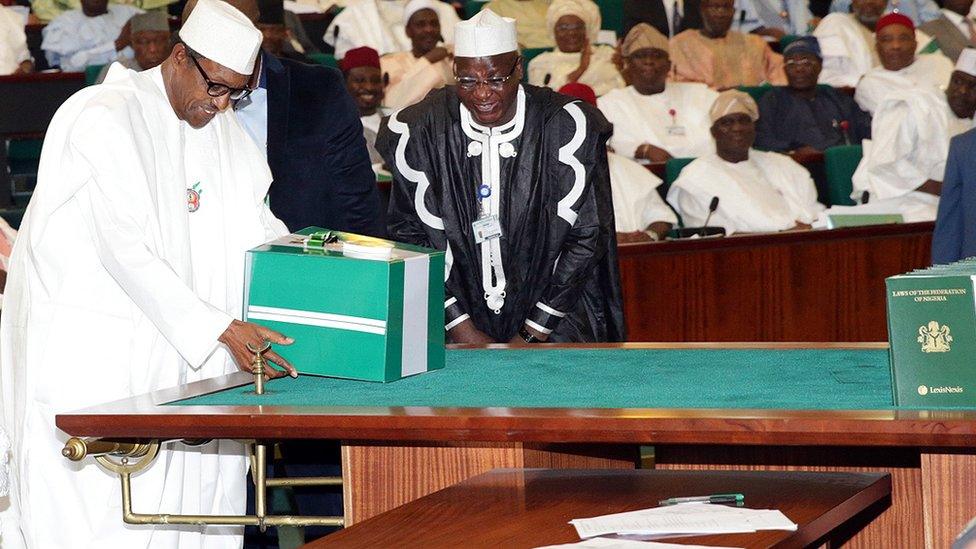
(847, 43)
(96, 34)
(757, 191)
(574, 25)
(905, 160)
(534, 162)
(953, 30)
(723, 58)
(639, 213)
(278, 40)
(15, 58)
(427, 66)
(361, 67)
(530, 18)
(775, 18)
(803, 115)
(379, 25)
(919, 11)
(669, 17)
(900, 68)
(151, 43)
(654, 119)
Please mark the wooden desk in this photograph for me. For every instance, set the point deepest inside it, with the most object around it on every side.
(516, 508)
(798, 286)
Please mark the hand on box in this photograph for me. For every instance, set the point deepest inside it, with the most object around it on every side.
(239, 334)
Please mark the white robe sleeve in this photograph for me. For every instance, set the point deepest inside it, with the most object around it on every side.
(799, 190)
(122, 210)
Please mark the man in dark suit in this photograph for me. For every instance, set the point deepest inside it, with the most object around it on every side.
(955, 226)
(669, 17)
(305, 120)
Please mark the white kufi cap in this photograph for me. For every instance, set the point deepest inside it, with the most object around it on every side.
(967, 61)
(484, 35)
(223, 35)
(413, 6)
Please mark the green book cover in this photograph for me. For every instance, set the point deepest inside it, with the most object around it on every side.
(932, 330)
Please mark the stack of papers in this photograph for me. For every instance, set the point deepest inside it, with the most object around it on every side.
(684, 519)
(604, 543)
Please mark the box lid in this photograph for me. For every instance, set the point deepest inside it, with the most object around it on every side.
(340, 245)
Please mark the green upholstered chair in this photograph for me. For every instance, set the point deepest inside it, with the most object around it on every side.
(840, 163)
(787, 40)
(326, 59)
(612, 13)
(472, 7)
(756, 92)
(91, 73)
(528, 54)
(672, 169)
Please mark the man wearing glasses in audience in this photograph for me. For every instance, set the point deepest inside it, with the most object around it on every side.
(512, 182)
(127, 278)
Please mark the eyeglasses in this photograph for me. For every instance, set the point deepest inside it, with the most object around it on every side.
(495, 82)
(801, 63)
(566, 27)
(216, 89)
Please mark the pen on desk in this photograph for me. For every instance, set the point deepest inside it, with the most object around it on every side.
(714, 498)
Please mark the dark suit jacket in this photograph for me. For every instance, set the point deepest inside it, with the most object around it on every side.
(316, 151)
(955, 227)
(653, 13)
(951, 40)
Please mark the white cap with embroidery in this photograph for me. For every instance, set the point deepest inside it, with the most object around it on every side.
(484, 35)
(222, 34)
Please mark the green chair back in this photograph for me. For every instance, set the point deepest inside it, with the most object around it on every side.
(931, 47)
(91, 73)
(528, 54)
(787, 40)
(672, 169)
(326, 59)
(840, 163)
(756, 92)
(612, 13)
(472, 7)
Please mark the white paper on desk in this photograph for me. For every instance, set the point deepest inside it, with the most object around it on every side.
(692, 518)
(605, 543)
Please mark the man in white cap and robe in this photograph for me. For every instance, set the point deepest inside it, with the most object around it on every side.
(904, 162)
(126, 278)
(756, 191)
(512, 182)
(379, 24)
(426, 66)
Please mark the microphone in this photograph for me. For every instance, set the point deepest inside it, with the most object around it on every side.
(712, 206)
(545, 81)
(864, 197)
(335, 33)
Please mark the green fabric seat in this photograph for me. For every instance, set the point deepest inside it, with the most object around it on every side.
(756, 92)
(840, 163)
(472, 7)
(326, 59)
(672, 169)
(91, 73)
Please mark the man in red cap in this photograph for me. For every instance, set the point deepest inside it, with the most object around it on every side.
(900, 68)
(361, 66)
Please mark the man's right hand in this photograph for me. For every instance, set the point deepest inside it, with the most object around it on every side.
(466, 332)
(436, 54)
(239, 334)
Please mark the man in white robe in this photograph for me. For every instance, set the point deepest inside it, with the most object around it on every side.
(14, 55)
(900, 69)
(904, 161)
(654, 119)
(848, 45)
(379, 25)
(96, 34)
(426, 66)
(126, 278)
(757, 191)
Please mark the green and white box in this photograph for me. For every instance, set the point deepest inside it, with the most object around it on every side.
(932, 331)
(358, 307)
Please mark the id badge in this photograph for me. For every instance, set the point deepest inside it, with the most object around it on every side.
(676, 130)
(486, 228)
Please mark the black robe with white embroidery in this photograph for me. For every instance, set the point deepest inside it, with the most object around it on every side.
(558, 247)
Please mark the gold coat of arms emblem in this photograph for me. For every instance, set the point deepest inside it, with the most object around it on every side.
(934, 338)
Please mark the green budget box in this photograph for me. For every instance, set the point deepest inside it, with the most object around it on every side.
(932, 330)
(357, 307)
